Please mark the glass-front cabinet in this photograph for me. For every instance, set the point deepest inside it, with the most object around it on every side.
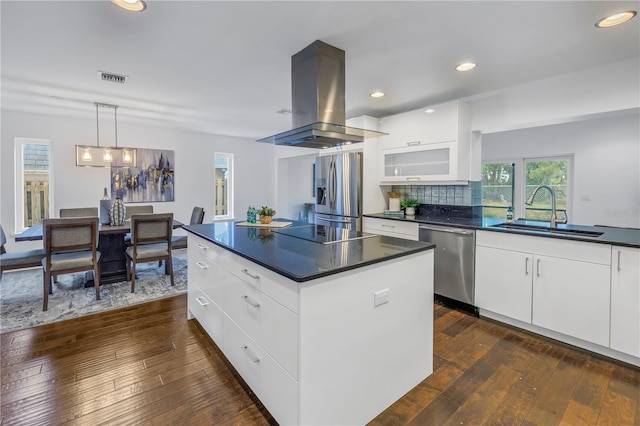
(428, 145)
(432, 162)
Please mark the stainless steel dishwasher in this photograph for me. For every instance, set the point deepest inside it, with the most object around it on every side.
(454, 268)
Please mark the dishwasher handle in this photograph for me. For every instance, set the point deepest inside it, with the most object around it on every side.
(449, 230)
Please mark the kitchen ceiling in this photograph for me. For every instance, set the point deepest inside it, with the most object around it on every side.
(225, 67)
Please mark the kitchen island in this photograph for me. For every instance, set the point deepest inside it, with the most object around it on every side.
(329, 333)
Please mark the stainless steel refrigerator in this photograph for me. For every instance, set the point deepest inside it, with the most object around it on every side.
(338, 185)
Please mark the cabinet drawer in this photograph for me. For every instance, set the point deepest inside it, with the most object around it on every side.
(270, 324)
(392, 228)
(279, 288)
(208, 314)
(269, 381)
(206, 275)
(200, 247)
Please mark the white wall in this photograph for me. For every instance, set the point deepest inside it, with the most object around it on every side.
(83, 186)
(568, 97)
(606, 164)
(295, 184)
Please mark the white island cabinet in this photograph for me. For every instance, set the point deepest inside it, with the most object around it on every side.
(337, 349)
(625, 300)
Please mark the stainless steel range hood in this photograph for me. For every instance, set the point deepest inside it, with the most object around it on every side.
(317, 98)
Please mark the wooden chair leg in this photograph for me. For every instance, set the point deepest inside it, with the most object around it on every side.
(96, 280)
(133, 276)
(128, 266)
(46, 279)
(169, 265)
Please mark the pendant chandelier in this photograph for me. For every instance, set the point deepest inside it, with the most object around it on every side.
(97, 156)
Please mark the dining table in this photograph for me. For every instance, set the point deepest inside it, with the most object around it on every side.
(111, 244)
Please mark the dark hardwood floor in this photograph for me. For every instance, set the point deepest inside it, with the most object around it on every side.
(147, 364)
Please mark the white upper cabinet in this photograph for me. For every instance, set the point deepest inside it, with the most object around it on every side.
(427, 147)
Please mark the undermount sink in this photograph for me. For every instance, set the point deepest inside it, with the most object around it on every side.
(549, 230)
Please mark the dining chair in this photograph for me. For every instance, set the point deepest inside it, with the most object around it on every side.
(150, 241)
(131, 209)
(180, 241)
(79, 212)
(70, 245)
(19, 259)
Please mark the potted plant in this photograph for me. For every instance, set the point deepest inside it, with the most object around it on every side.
(266, 214)
(409, 205)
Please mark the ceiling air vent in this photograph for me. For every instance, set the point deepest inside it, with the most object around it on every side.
(113, 78)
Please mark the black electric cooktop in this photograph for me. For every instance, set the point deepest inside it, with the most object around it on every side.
(324, 234)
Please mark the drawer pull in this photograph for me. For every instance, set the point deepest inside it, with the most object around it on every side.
(526, 266)
(202, 265)
(202, 247)
(202, 301)
(387, 226)
(255, 277)
(413, 143)
(250, 354)
(538, 267)
(251, 302)
(618, 260)
(413, 178)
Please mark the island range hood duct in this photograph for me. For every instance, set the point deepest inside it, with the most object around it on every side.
(317, 99)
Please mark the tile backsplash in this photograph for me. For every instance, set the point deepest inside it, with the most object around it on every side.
(452, 195)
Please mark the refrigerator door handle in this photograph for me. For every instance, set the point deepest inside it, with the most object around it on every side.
(333, 183)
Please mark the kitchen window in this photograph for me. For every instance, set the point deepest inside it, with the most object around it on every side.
(554, 172)
(223, 186)
(34, 182)
(498, 188)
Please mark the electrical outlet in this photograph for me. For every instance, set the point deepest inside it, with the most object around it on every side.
(380, 297)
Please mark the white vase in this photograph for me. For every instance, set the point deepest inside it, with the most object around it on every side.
(394, 204)
(410, 211)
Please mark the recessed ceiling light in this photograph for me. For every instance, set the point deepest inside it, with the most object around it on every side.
(131, 5)
(429, 111)
(616, 19)
(376, 94)
(466, 66)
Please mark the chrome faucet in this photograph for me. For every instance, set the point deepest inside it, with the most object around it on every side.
(554, 217)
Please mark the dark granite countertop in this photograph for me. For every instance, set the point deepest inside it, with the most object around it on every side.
(619, 236)
(302, 260)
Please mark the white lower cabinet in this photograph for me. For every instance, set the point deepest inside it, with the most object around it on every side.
(556, 284)
(503, 282)
(208, 314)
(272, 325)
(277, 390)
(625, 300)
(572, 298)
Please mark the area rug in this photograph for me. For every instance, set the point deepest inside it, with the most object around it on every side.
(21, 294)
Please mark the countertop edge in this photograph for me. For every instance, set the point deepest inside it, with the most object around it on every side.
(310, 277)
(460, 223)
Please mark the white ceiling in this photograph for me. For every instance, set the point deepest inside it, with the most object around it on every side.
(224, 67)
